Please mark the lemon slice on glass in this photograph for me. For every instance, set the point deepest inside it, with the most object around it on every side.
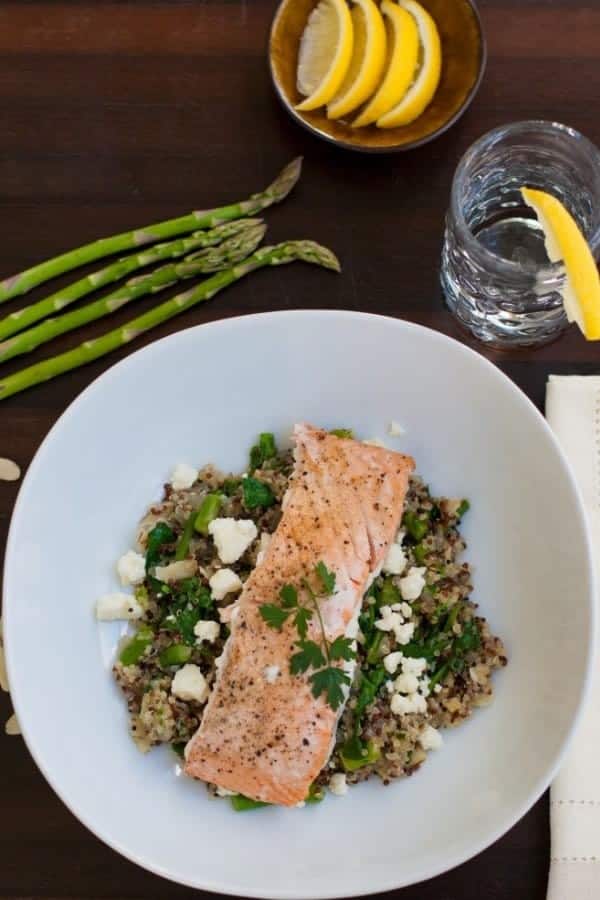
(402, 58)
(565, 242)
(421, 92)
(368, 60)
(325, 53)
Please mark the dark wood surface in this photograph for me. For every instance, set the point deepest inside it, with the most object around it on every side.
(116, 114)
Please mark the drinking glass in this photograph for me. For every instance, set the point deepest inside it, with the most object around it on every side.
(496, 275)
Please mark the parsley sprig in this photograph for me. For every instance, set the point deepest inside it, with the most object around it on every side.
(301, 606)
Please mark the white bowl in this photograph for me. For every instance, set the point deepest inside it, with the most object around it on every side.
(203, 395)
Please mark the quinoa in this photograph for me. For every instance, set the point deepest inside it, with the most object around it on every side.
(441, 637)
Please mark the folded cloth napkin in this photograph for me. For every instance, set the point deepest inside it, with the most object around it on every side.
(573, 412)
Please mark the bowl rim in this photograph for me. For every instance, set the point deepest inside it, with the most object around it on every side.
(393, 148)
(238, 888)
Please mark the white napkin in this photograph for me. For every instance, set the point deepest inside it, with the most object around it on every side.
(573, 412)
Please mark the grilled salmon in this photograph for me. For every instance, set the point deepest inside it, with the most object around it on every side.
(263, 733)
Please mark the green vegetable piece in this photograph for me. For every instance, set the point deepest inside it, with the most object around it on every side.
(179, 749)
(369, 686)
(388, 594)
(243, 804)
(417, 528)
(175, 655)
(439, 675)
(464, 507)
(183, 544)
(133, 651)
(419, 553)
(267, 445)
(470, 639)
(230, 486)
(373, 653)
(355, 754)
(186, 609)
(256, 493)
(342, 433)
(452, 617)
(264, 450)
(315, 794)
(209, 510)
(161, 534)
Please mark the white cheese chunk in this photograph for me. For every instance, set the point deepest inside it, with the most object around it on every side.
(411, 586)
(131, 568)
(395, 561)
(206, 631)
(430, 738)
(190, 684)
(183, 477)
(223, 582)
(338, 784)
(118, 606)
(232, 537)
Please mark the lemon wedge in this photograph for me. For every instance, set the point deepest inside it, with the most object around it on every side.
(565, 242)
(325, 53)
(421, 92)
(402, 58)
(368, 60)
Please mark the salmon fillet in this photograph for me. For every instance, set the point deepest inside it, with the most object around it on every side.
(263, 733)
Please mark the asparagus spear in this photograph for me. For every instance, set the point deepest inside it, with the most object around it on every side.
(213, 259)
(22, 318)
(28, 279)
(90, 350)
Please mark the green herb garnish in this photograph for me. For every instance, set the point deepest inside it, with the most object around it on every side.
(256, 493)
(326, 678)
(230, 486)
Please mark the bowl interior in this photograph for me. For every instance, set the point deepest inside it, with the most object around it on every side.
(472, 433)
(462, 65)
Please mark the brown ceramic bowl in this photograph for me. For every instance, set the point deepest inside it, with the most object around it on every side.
(464, 57)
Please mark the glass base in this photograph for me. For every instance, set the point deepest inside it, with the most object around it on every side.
(501, 328)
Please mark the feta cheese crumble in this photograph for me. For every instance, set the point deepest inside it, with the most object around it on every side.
(395, 561)
(131, 568)
(411, 586)
(183, 477)
(118, 606)
(430, 738)
(232, 537)
(338, 784)
(207, 631)
(391, 662)
(190, 684)
(223, 582)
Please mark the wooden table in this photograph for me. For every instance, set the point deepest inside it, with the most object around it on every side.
(115, 114)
